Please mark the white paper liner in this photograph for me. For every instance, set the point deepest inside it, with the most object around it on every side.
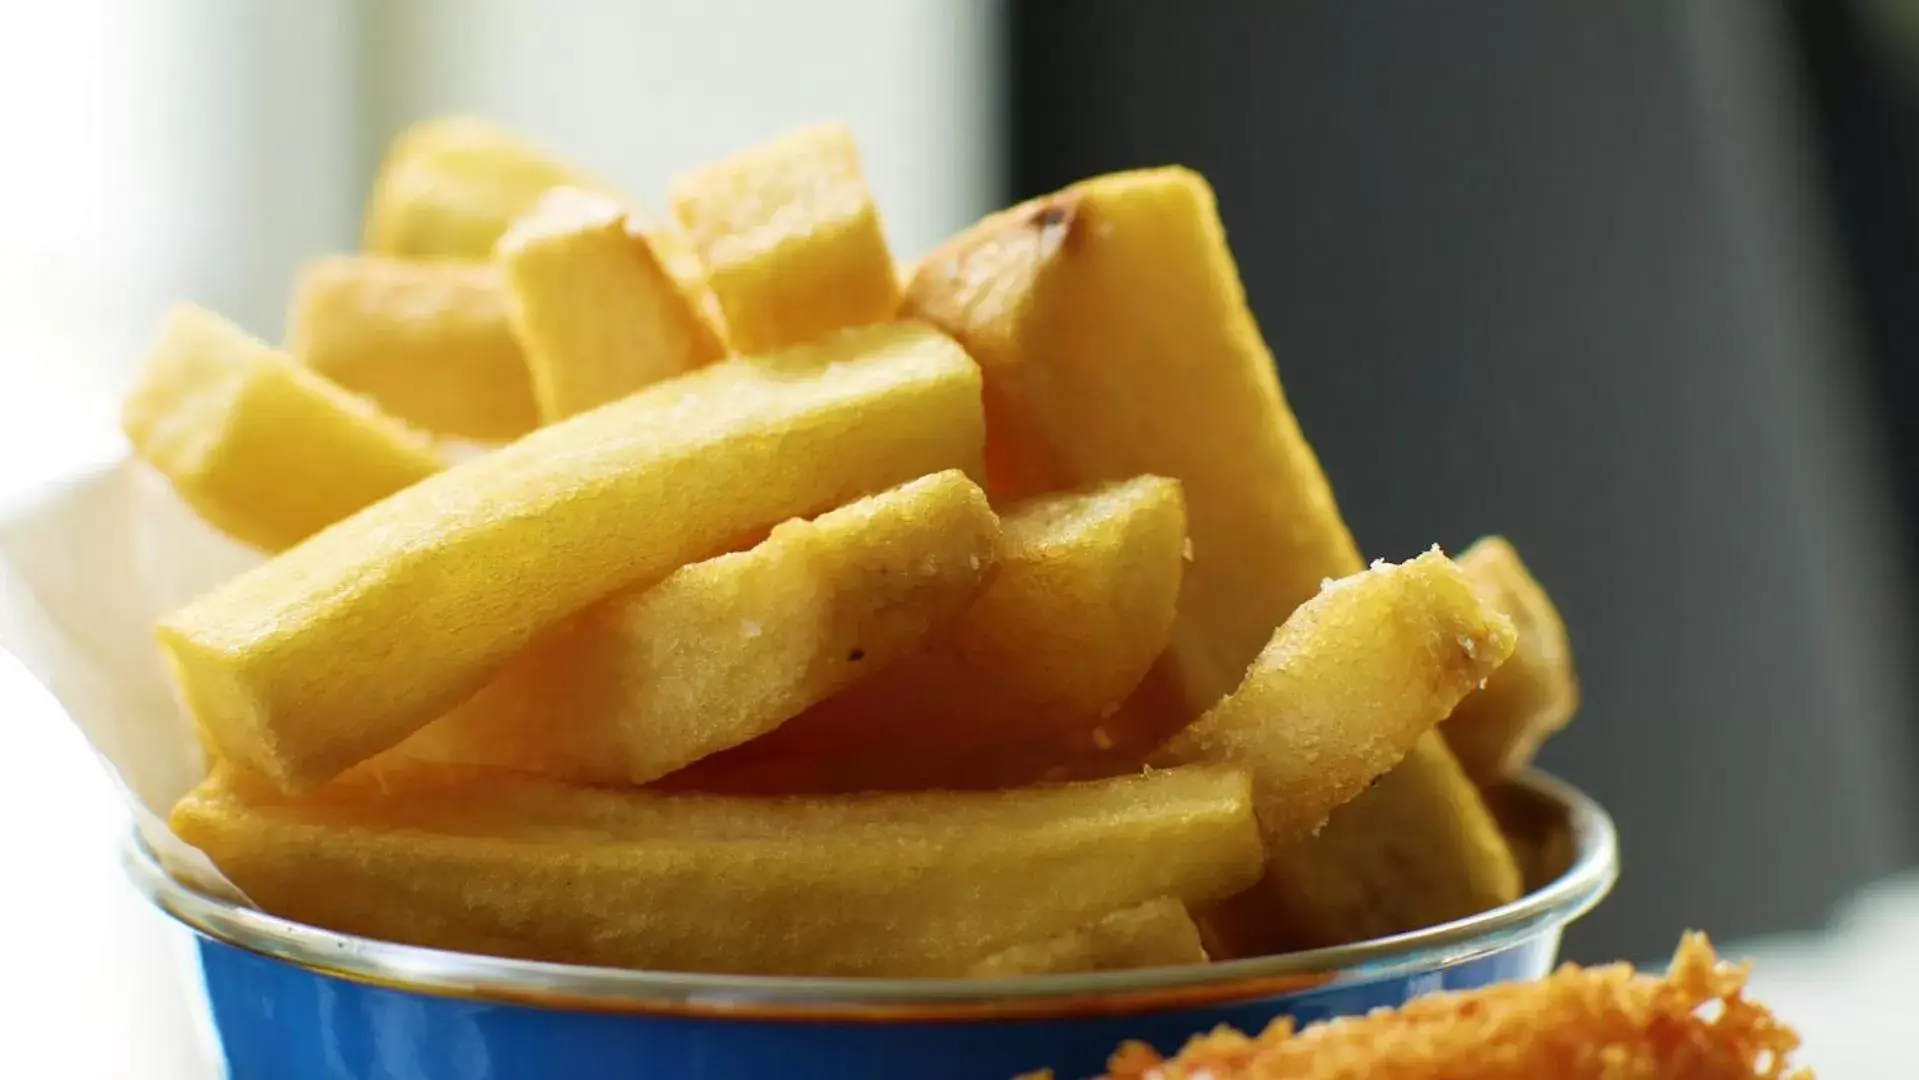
(87, 564)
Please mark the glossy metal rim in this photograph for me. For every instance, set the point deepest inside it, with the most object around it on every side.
(1594, 868)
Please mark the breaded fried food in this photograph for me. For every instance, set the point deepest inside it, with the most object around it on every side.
(1496, 731)
(1602, 1023)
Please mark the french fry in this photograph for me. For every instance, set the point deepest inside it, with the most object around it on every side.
(1346, 688)
(345, 645)
(605, 300)
(266, 451)
(1385, 863)
(1115, 340)
(1073, 619)
(791, 239)
(1540, 839)
(1158, 933)
(919, 884)
(727, 649)
(741, 643)
(1496, 731)
(448, 188)
(428, 340)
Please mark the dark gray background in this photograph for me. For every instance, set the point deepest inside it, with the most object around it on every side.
(1567, 272)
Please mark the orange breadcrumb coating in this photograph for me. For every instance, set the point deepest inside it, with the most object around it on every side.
(1606, 1023)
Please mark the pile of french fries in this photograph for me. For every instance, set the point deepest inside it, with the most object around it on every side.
(797, 616)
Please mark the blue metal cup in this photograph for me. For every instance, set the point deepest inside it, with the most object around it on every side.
(294, 1002)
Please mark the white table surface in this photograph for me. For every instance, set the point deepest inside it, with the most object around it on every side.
(97, 987)
(1851, 990)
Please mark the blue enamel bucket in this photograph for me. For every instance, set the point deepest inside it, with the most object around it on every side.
(293, 1002)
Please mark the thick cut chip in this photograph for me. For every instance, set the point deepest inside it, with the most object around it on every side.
(1077, 612)
(1417, 849)
(428, 340)
(911, 884)
(605, 300)
(267, 451)
(1115, 340)
(1346, 687)
(1158, 933)
(791, 239)
(449, 187)
(1541, 840)
(345, 645)
(1496, 731)
(727, 649)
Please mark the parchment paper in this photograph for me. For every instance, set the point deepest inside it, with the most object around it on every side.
(86, 566)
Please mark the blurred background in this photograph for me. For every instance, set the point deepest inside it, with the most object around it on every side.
(1635, 284)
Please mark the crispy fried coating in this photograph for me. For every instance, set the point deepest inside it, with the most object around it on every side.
(1603, 1023)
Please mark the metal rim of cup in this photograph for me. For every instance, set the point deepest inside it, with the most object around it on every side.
(1594, 869)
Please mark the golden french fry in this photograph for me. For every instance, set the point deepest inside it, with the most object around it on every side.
(912, 884)
(1078, 610)
(1115, 340)
(1417, 849)
(345, 645)
(1386, 862)
(605, 300)
(1345, 688)
(727, 649)
(428, 340)
(449, 187)
(267, 451)
(791, 239)
(1114, 336)
(1496, 731)
(1540, 839)
(1158, 933)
